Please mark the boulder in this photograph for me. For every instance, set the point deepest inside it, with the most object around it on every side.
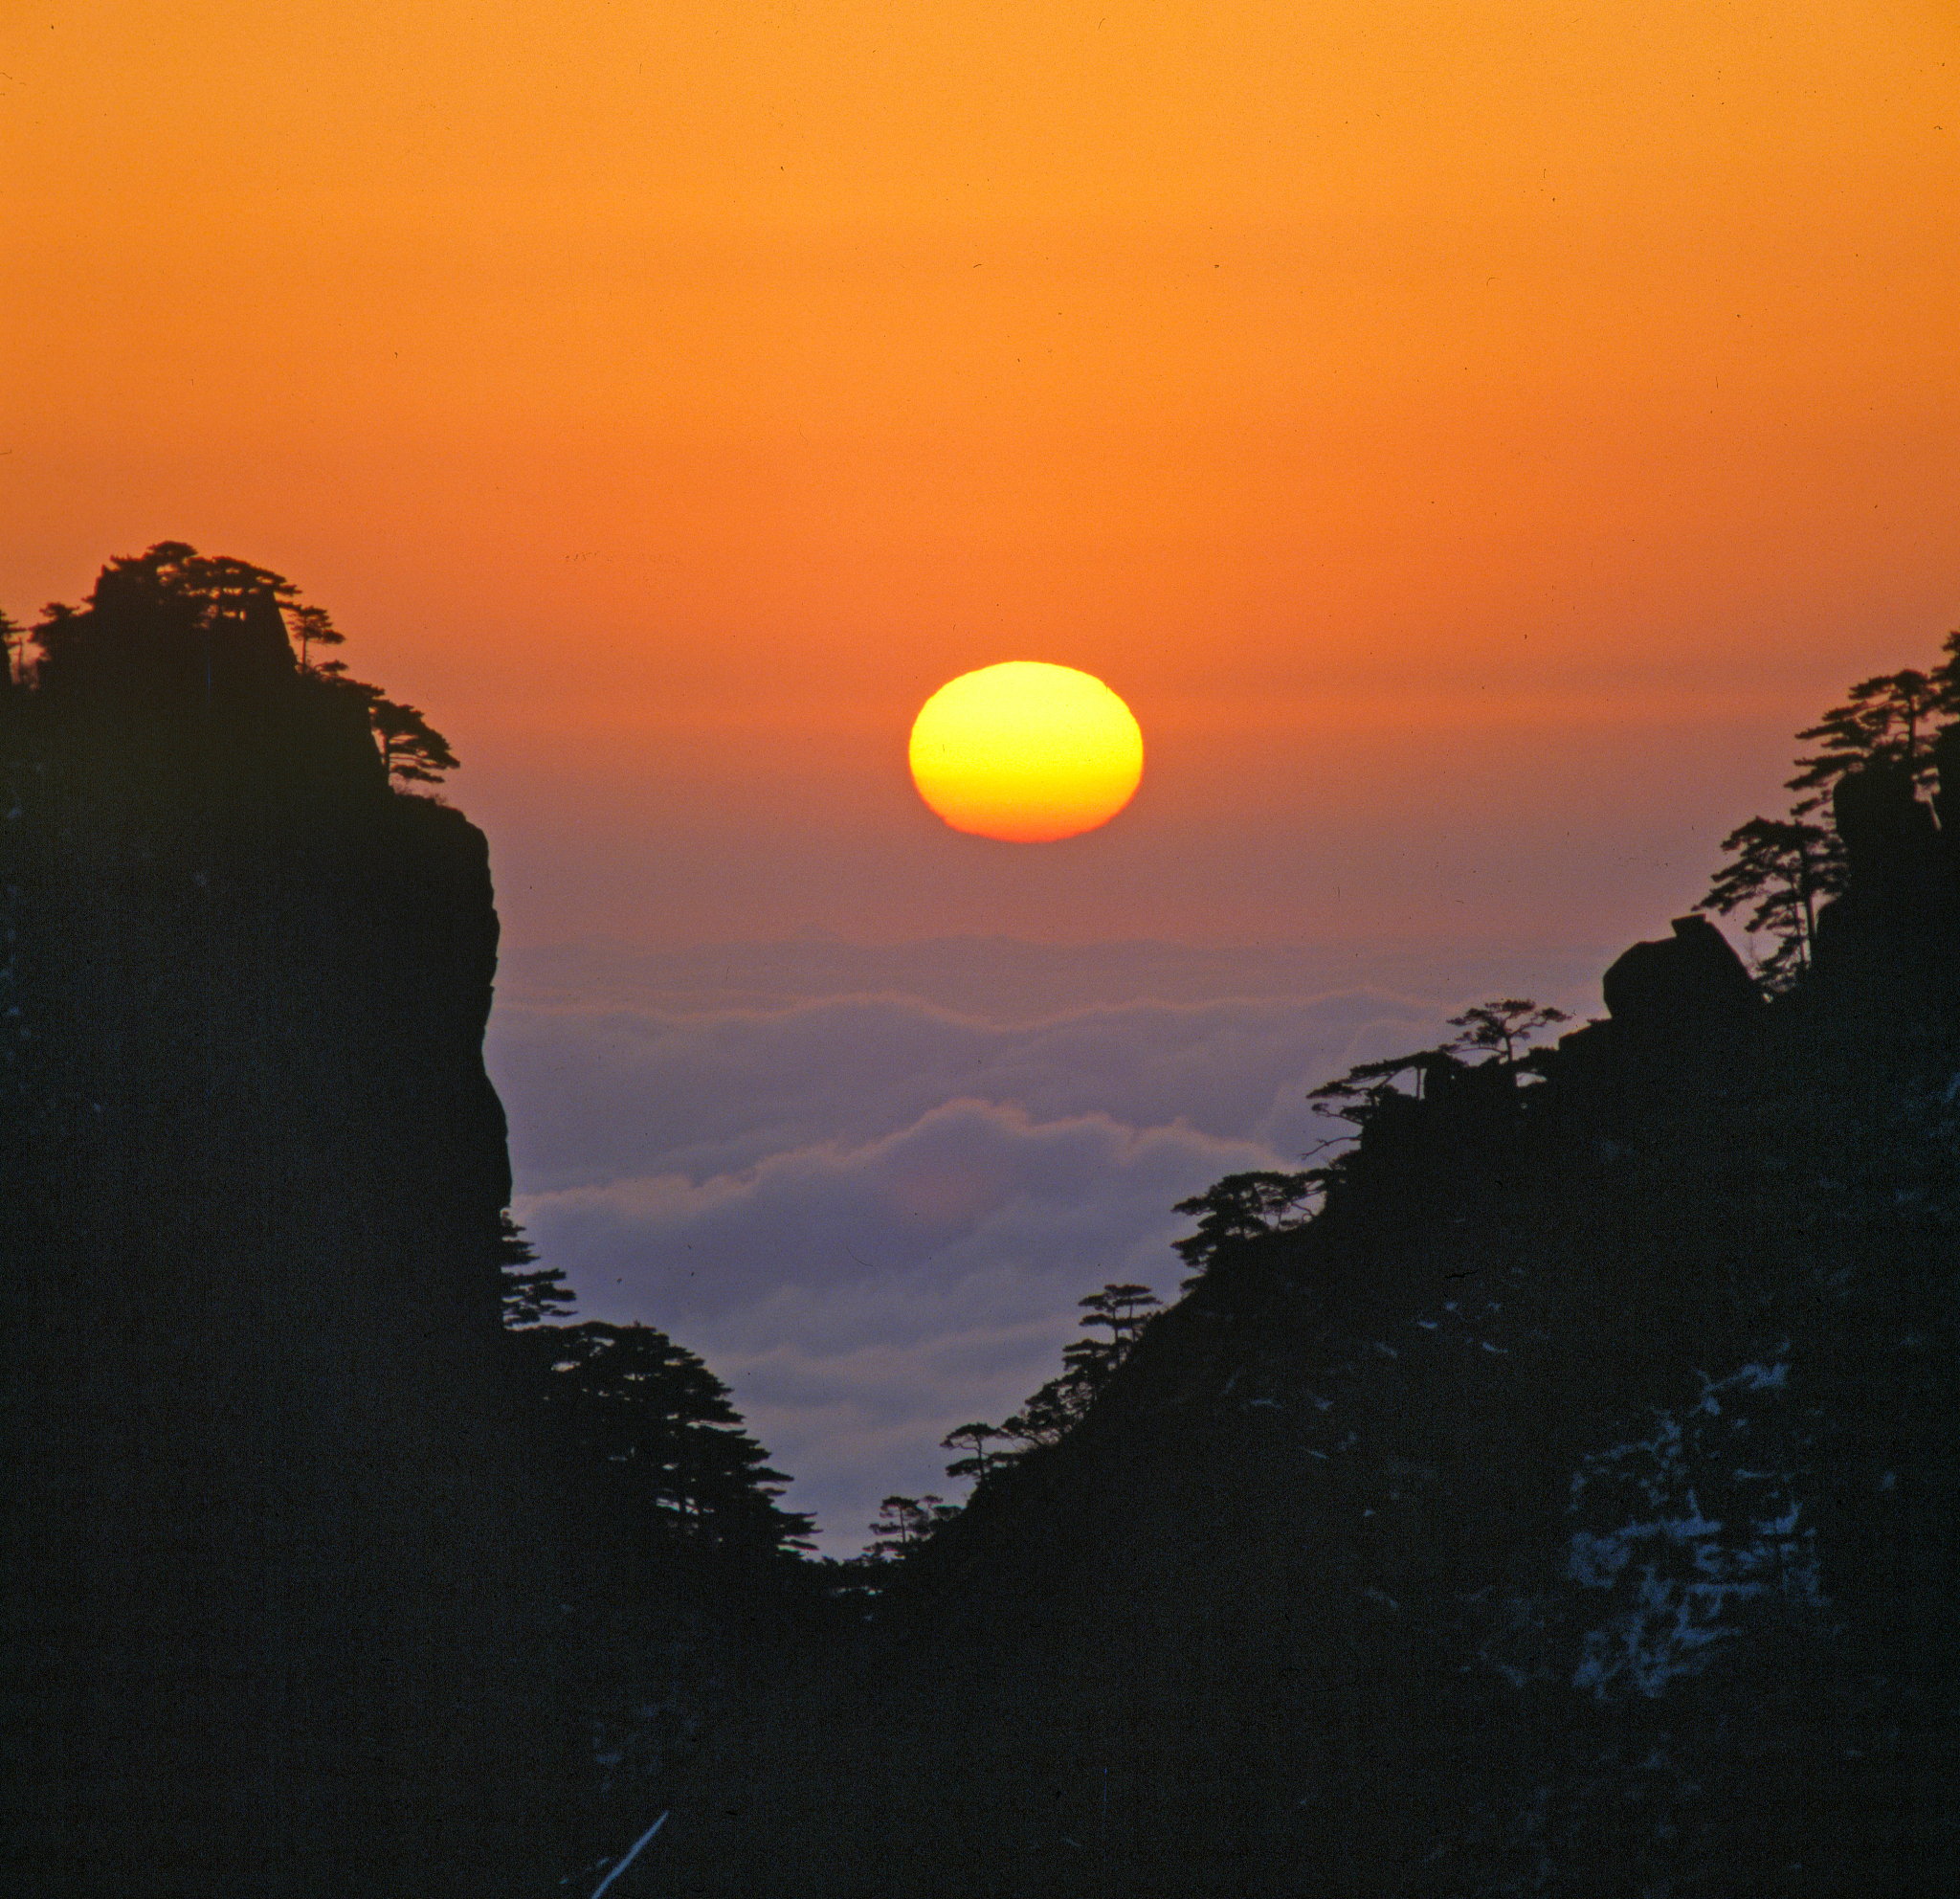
(1681, 991)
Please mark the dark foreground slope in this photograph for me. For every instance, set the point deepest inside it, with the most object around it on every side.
(271, 1623)
(1569, 1508)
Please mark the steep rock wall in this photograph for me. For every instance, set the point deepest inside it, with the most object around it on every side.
(272, 1567)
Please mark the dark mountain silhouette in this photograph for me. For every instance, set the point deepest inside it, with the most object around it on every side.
(264, 1593)
(297, 1597)
(1555, 1492)
(1551, 1488)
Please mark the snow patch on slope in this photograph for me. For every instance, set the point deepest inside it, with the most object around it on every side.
(1677, 1576)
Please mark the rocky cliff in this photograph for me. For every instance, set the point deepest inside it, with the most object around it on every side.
(266, 1596)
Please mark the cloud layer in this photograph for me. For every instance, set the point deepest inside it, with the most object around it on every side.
(600, 1094)
(874, 1215)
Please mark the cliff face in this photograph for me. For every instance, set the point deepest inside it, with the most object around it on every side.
(264, 1600)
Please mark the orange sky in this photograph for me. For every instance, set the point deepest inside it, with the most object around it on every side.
(1470, 437)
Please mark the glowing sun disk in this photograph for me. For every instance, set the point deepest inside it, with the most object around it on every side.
(1026, 752)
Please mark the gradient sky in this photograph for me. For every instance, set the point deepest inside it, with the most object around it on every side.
(1443, 424)
(1470, 437)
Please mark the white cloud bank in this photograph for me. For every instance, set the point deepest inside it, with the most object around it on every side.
(597, 1094)
(874, 1215)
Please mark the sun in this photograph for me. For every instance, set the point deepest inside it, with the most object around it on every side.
(1026, 752)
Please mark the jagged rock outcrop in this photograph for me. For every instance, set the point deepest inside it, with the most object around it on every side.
(1683, 994)
(1890, 944)
(271, 1575)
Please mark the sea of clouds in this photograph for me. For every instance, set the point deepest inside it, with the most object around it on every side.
(874, 1211)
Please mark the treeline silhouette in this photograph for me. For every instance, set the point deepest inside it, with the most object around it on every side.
(1894, 733)
(172, 640)
(646, 1434)
(991, 1450)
